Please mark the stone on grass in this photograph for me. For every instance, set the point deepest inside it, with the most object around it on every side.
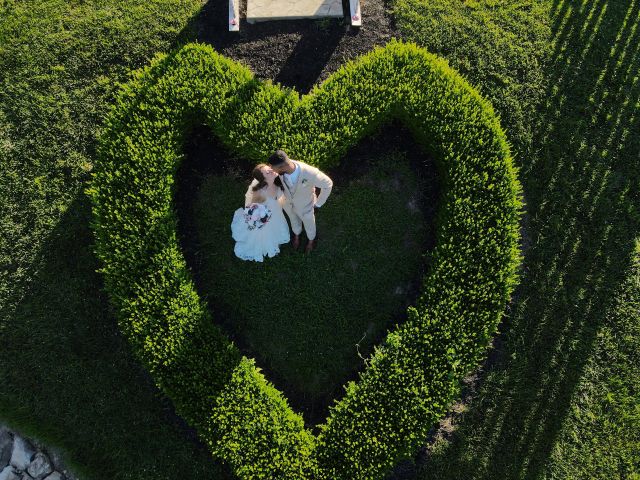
(40, 466)
(22, 453)
(6, 447)
(8, 474)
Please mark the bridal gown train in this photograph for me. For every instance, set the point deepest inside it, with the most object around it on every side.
(260, 242)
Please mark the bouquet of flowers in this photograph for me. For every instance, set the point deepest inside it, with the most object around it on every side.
(256, 215)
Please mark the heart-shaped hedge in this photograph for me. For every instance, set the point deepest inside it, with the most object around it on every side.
(410, 379)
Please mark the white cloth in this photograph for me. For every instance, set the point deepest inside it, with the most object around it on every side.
(260, 242)
(292, 178)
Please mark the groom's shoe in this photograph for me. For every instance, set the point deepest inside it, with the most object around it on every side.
(296, 241)
(310, 246)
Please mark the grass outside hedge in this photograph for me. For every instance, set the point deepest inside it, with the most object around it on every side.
(560, 401)
(414, 375)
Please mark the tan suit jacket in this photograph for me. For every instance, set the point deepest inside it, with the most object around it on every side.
(302, 196)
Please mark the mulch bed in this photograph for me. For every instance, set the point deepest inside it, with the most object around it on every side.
(296, 53)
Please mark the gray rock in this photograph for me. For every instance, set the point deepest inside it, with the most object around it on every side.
(54, 476)
(57, 463)
(22, 453)
(6, 447)
(54, 456)
(40, 466)
(8, 474)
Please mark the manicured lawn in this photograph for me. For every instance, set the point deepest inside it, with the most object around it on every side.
(563, 400)
(562, 397)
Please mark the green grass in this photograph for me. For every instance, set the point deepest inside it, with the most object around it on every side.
(304, 314)
(67, 376)
(499, 45)
(562, 403)
(564, 399)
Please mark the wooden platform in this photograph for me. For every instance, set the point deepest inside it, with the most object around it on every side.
(263, 10)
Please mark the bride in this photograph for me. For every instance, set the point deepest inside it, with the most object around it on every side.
(260, 227)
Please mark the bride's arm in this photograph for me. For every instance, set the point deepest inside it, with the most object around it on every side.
(248, 197)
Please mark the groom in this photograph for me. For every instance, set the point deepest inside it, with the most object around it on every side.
(300, 181)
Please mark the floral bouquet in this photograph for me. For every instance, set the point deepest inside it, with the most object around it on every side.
(256, 215)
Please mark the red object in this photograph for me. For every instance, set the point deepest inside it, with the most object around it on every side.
(311, 245)
(233, 21)
(355, 17)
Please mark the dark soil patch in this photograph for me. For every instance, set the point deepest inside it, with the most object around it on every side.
(296, 53)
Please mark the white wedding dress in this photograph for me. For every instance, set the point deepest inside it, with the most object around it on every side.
(260, 242)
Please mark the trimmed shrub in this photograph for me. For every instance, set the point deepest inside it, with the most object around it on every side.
(414, 375)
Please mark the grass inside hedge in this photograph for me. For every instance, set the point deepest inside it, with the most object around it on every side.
(304, 315)
(562, 401)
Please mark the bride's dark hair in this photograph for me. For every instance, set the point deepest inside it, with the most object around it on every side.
(257, 174)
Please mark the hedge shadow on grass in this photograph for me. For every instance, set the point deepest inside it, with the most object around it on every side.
(82, 389)
(205, 155)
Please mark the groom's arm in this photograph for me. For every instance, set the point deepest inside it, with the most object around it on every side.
(322, 181)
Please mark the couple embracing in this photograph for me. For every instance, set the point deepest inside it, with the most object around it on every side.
(283, 184)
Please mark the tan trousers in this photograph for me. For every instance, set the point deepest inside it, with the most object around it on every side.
(308, 220)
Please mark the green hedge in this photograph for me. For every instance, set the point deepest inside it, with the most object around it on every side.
(414, 375)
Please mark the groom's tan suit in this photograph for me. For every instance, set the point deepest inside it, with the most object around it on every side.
(300, 198)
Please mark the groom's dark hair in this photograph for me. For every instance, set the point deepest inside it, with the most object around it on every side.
(278, 157)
